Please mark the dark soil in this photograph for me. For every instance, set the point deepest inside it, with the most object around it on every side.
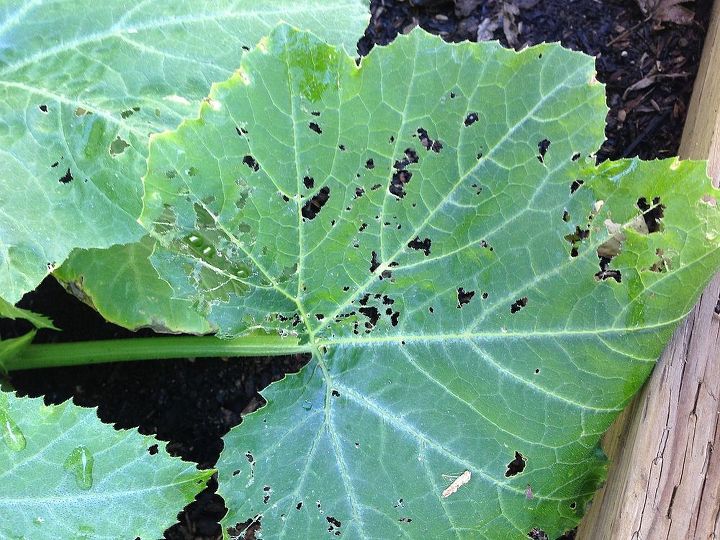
(192, 404)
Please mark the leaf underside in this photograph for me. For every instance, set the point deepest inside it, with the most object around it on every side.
(65, 474)
(79, 96)
(478, 294)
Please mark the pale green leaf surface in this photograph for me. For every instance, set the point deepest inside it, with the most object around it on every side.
(14, 312)
(125, 289)
(453, 325)
(65, 474)
(83, 84)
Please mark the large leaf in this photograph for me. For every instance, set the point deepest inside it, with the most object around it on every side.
(83, 84)
(65, 474)
(430, 225)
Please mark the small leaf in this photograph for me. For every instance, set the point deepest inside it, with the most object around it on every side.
(14, 312)
(463, 321)
(65, 474)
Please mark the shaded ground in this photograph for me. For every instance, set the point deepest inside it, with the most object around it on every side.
(649, 71)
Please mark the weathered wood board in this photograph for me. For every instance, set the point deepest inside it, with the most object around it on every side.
(664, 479)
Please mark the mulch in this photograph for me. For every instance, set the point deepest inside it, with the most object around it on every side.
(648, 67)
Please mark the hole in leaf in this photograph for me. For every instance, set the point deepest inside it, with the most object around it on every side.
(576, 238)
(606, 272)
(470, 119)
(370, 164)
(334, 527)
(236, 472)
(43, 108)
(464, 297)
(537, 534)
(299, 505)
(410, 157)
(374, 264)
(309, 182)
(427, 142)
(152, 450)
(247, 529)
(518, 304)
(662, 264)
(129, 112)
(537, 370)
(516, 466)
(267, 491)
(341, 147)
(66, 178)
(573, 505)
(484, 296)
(566, 216)
(313, 206)
(652, 213)
(315, 113)
(315, 127)
(372, 314)
(251, 162)
(118, 146)
(542, 150)
(241, 131)
(405, 520)
(420, 245)
(576, 156)
(397, 184)
(335, 393)
(576, 185)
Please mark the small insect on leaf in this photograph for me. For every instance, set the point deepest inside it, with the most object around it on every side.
(528, 492)
(460, 481)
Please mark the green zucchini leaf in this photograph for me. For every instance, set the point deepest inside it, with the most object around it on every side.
(480, 298)
(83, 84)
(65, 474)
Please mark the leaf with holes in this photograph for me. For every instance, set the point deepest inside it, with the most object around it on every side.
(68, 475)
(81, 94)
(480, 300)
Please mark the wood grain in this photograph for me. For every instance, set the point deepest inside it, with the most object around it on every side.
(664, 477)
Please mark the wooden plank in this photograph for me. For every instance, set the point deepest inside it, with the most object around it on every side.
(664, 477)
